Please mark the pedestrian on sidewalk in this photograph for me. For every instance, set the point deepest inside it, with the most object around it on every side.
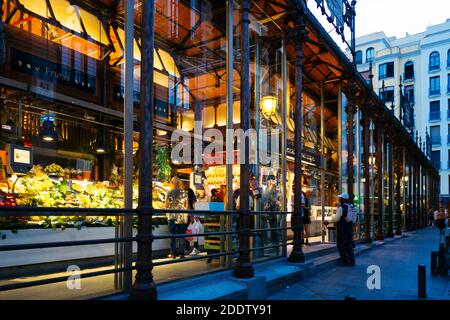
(344, 231)
(436, 214)
(430, 218)
(440, 221)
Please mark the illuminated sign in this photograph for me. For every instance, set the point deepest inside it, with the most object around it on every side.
(19, 159)
(22, 156)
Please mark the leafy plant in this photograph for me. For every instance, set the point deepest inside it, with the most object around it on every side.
(162, 162)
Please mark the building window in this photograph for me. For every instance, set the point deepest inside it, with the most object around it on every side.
(358, 57)
(448, 141)
(448, 111)
(435, 133)
(448, 58)
(436, 159)
(435, 111)
(409, 93)
(387, 95)
(448, 83)
(435, 86)
(370, 55)
(409, 71)
(435, 62)
(386, 70)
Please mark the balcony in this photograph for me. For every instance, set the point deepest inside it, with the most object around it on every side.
(435, 116)
(436, 140)
(435, 92)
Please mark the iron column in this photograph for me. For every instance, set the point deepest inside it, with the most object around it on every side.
(144, 287)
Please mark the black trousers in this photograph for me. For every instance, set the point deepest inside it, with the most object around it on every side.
(345, 244)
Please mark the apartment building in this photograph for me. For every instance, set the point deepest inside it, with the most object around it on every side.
(418, 66)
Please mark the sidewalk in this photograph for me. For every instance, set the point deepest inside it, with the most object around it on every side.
(398, 262)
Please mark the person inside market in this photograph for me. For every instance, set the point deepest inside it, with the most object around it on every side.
(344, 231)
(222, 193)
(272, 204)
(215, 196)
(178, 222)
(192, 199)
(306, 214)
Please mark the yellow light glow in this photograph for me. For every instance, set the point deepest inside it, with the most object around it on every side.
(66, 14)
(169, 63)
(38, 7)
(94, 27)
(268, 106)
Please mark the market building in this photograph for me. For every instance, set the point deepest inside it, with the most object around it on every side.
(93, 91)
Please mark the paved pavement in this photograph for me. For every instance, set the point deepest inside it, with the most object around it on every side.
(398, 262)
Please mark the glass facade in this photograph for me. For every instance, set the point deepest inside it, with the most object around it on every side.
(68, 94)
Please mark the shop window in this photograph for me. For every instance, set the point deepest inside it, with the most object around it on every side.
(370, 55)
(434, 63)
(386, 70)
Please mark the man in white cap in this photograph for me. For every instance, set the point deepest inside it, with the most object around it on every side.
(344, 231)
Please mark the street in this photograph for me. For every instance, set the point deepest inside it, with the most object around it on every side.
(398, 263)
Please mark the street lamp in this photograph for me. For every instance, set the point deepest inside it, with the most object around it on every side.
(269, 106)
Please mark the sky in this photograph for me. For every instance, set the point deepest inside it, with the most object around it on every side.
(396, 17)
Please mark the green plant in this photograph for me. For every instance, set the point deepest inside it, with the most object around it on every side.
(162, 162)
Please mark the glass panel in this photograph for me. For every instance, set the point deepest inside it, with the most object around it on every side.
(68, 15)
(94, 27)
(38, 7)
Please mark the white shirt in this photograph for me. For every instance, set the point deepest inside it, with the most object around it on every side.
(338, 215)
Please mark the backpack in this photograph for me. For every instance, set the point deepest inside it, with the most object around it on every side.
(351, 214)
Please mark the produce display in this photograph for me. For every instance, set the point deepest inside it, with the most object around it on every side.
(216, 176)
(55, 186)
(54, 169)
(159, 194)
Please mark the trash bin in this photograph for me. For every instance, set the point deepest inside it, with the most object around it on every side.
(331, 234)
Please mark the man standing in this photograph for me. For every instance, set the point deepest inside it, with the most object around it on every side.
(344, 231)
(178, 222)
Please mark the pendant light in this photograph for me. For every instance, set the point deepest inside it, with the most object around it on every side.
(48, 132)
(100, 141)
